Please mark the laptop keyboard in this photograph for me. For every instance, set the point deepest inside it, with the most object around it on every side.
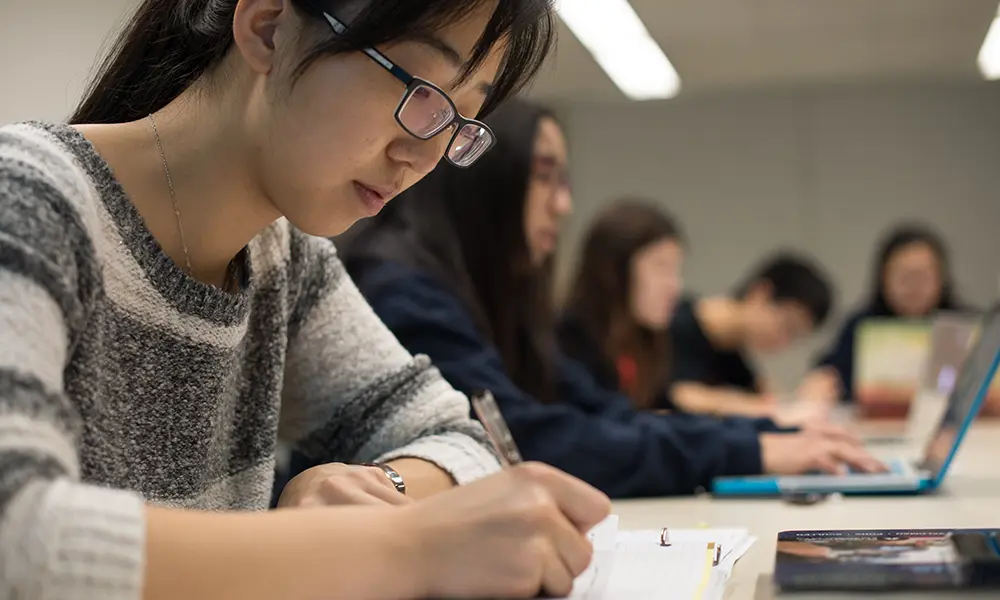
(895, 467)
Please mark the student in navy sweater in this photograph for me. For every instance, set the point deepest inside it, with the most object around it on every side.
(626, 287)
(911, 279)
(459, 271)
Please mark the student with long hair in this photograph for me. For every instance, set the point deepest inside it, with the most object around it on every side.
(623, 296)
(163, 324)
(460, 272)
(911, 279)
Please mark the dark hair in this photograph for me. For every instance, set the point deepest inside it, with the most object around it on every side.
(793, 278)
(599, 296)
(897, 239)
(466, 227)
(168, 45)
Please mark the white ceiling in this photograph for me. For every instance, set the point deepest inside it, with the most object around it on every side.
(721, 45)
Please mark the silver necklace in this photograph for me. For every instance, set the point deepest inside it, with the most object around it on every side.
(173, 195)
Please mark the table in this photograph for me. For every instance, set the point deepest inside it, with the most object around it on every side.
(969, 498)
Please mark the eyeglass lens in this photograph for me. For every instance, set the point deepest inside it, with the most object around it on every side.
(470, 143)
(426, 112)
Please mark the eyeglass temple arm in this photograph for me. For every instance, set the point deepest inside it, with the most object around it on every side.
(396, 71)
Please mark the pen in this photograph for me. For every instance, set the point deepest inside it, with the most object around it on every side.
(496, 428)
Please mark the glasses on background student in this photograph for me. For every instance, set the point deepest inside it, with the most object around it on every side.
(163, 323)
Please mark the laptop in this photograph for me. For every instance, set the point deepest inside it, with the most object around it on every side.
(953, 335)
(898, 359)
(904, 477)
(890, 359)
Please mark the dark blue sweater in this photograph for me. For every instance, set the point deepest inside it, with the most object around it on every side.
(591, 434)
(840, 355)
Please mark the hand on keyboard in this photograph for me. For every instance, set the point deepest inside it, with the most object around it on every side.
(807, 451)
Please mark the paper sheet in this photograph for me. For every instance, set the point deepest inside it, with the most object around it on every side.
(632, 564)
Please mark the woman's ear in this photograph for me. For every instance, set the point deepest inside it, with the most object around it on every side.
(260, 28)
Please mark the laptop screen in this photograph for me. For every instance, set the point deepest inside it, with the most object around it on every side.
(951, 337)
(966, 397)
(889, 362)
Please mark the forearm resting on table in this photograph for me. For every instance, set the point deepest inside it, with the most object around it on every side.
(422, 478)
(703, 399)
(821, 385)
(291, 554)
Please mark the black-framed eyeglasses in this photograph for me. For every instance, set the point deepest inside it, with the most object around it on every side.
(426, 110)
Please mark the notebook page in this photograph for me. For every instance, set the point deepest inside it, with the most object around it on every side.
(734, 542)
(593, 582)
(639, 568)
(682, 571)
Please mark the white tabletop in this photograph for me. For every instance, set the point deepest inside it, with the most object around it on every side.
(969, 498)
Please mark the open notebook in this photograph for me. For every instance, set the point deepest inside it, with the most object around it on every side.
(633, 564)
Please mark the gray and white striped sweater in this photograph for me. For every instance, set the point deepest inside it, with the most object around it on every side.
(124, 381)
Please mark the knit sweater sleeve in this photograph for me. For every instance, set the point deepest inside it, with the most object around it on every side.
(59, 538)
(352, 393)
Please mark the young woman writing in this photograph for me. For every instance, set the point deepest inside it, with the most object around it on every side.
(167, 316)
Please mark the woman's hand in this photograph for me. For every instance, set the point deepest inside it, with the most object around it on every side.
(514, 534)
(340, 484)
(811, 451)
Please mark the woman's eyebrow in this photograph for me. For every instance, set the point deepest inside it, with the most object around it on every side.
(443, 48)
(450, 54)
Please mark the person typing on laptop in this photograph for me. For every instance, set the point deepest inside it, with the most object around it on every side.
(904, 474)
(783, 301)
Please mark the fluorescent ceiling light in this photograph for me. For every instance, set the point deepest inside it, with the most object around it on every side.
(989, 54)
(620, 43)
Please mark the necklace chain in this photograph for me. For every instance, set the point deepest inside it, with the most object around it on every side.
(173, 195)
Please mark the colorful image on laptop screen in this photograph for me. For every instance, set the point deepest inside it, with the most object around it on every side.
(890, 362)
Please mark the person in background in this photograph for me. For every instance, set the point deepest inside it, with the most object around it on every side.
(911, 279)
(784, 300)
(623, 296)
(166, 311)
(460, 271)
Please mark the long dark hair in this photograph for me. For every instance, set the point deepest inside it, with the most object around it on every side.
(897, 239)
(466, 228)
(599, 296)
(168, 45)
